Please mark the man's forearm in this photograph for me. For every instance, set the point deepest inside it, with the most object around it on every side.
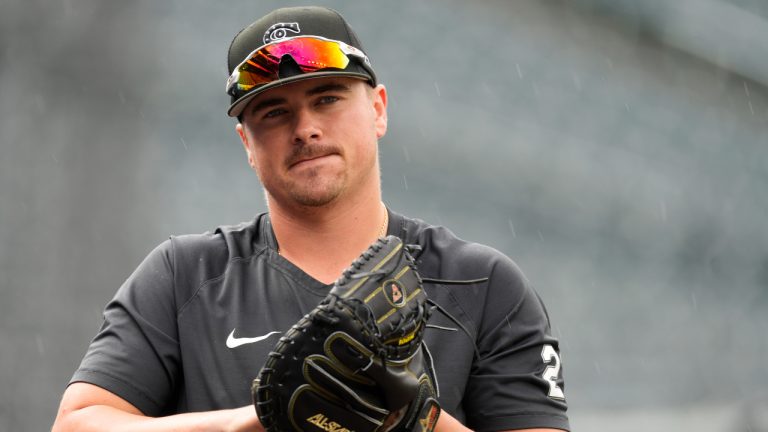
(446, 423)
(101, 417)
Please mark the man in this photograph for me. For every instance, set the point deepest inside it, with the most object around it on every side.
(189, 330)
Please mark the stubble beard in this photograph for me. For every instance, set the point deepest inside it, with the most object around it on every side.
(316, 187)
(317, 190)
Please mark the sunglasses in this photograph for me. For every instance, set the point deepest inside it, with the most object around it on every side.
(311, 53)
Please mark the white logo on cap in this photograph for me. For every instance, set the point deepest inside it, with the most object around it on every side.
(280, 31)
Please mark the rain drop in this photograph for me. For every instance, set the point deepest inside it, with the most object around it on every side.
(577, 81)
(39, 343)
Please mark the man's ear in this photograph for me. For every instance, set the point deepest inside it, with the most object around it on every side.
(379, 97)
(244, 139)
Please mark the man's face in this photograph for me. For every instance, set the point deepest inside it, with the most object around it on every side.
(313, 141)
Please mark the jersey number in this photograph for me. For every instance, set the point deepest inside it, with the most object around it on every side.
(552, 372)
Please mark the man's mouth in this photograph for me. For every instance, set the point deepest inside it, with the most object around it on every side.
(309, 160)
(302, 157)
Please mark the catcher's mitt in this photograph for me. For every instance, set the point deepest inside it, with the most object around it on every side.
(356, 362)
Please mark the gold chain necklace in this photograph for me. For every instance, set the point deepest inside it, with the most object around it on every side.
(383, 229)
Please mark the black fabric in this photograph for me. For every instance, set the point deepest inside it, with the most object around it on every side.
(312, 20)
(290, 22)
(163, 344)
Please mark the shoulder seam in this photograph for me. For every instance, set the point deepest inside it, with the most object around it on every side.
(217, 278)
(173, 273)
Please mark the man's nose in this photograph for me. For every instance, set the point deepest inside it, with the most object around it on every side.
(307, 127)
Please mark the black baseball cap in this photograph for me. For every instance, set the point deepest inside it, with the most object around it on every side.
(291, 22)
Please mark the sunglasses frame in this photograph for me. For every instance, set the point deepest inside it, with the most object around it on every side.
(232, 81)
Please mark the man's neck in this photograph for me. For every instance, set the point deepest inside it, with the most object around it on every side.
(324, 241)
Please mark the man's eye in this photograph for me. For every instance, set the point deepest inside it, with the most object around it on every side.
(328, 99)
(274, 113)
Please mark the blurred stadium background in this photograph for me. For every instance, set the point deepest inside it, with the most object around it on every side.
(615, 149)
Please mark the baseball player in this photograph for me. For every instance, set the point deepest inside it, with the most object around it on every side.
(187, 332)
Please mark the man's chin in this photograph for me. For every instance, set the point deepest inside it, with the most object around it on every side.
(310, 193)
(315, 198)
(315, 202)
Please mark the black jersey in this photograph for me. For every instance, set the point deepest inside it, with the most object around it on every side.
(191, 327)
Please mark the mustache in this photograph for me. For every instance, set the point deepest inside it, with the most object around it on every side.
(305, 152)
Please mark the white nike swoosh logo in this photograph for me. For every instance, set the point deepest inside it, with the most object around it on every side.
(233, 342)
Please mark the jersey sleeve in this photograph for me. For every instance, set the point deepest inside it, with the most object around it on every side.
(135, 354)
(517, 382)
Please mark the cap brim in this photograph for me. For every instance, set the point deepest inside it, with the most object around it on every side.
(239, 105)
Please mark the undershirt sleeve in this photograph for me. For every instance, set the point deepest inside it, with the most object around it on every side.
(135, 354)
(518, 381)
